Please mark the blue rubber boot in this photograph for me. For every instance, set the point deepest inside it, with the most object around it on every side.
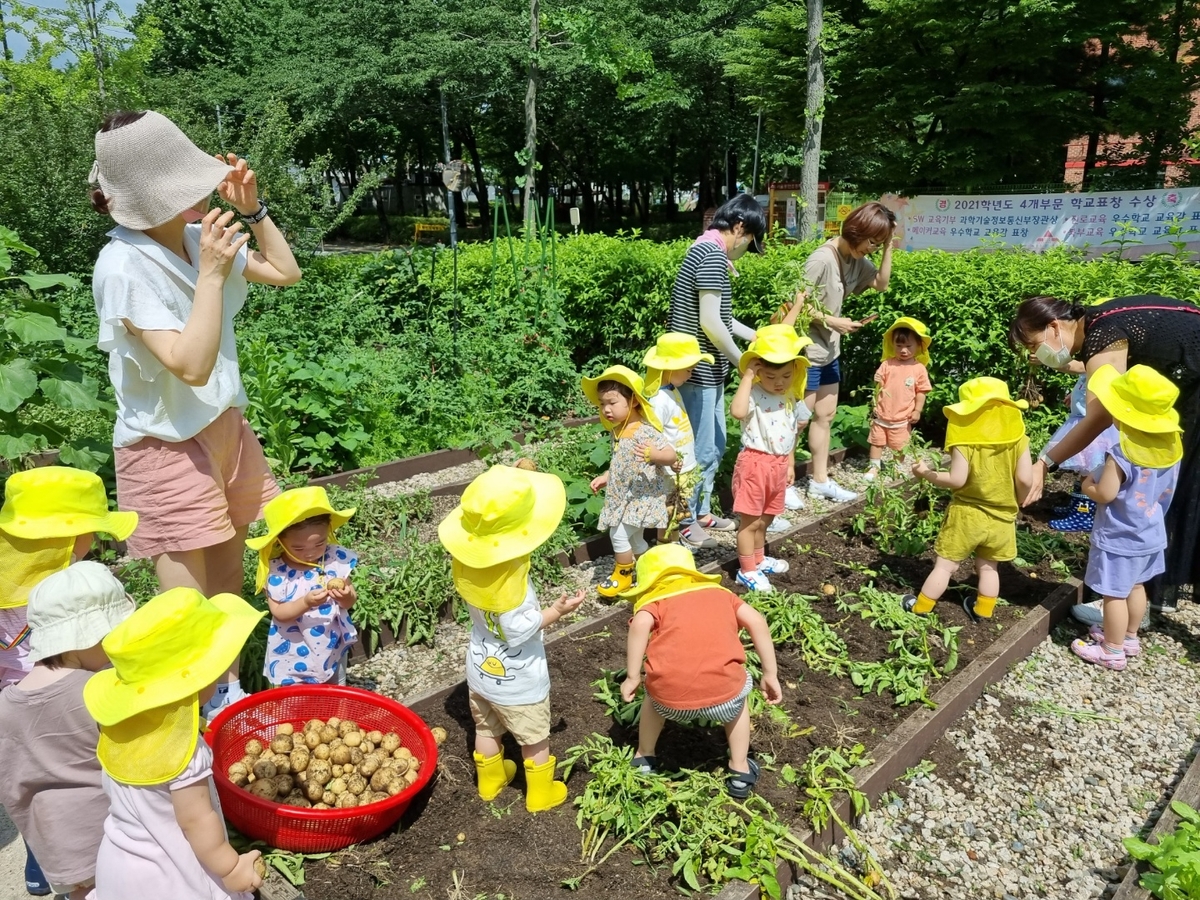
(35, 881)
(1081, 517)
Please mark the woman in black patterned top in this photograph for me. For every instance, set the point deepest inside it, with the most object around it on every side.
(1149, 330)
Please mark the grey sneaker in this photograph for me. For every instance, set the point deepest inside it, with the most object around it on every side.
(830, 490)
(696, 538)
(716, 523)
(778, 524)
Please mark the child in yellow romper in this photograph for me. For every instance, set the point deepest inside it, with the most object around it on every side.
(990, 473)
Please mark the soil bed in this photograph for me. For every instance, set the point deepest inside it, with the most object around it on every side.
(505, 850)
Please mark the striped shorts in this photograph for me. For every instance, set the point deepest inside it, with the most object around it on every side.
(723, 712)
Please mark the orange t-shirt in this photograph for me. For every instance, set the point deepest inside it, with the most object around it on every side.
(899, 383)
(695, 657)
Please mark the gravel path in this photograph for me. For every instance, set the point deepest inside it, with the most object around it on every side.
(1030, 801)
(12, 861)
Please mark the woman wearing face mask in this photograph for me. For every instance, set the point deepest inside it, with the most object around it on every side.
(702, 306)
(167, 287)
(1149, 330)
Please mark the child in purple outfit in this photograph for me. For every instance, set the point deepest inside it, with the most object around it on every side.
(1132, 490)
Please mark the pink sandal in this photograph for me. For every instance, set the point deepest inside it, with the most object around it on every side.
(1132, 645)
(1098, 654)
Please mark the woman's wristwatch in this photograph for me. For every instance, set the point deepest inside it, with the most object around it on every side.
(255, 218)
(1051, 465)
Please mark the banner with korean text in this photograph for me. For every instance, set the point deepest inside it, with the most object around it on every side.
(1042, 221)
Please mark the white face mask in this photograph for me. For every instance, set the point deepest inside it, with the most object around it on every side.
(1053, 359)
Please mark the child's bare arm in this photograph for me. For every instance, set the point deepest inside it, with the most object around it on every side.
(739, 406)
(564, 605)
(760, 634)
(635, 652)
(1106, 489)
(1023, 477)
(205, 834)
(952, 480)
(920, 408)
(800, 302)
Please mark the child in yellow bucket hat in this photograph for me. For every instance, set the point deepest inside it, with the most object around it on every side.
(670, 363)
(902, 383)
(164, 836)
(505, 514)
(990, 473)
(1132, 489)
(772, 413)
(306, 575)
(49, 518)
(636, 485)
(687, 629)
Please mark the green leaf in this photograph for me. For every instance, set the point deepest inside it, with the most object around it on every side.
(1185, 812)
(18, 383)
(89, 456)
(41, 282)
(1139, 849)
(13, 446)
(73, 394)
(34, 327)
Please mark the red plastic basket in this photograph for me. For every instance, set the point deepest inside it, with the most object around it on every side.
(313, 830)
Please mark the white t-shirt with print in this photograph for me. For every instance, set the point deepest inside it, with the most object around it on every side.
(138, 280)
(771, 424)
(506, 659)
(677, 427)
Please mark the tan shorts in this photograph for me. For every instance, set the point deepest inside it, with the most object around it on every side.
(528, 724)
(193, 494)
(895, 438)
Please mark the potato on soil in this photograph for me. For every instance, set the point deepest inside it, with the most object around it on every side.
(375, 737)
(347, 800)
(439, 734)
(312, 739)
(299, 759)
(265, 788)
(356, 784)
(353, 739)
(254, 747)
(346, 726)
(321, 751)
(284, 784)
(285, 728)
(265, 768)
(282, 743)
(314, 791)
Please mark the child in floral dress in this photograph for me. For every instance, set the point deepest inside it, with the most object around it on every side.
(306, 575)
(635, 485)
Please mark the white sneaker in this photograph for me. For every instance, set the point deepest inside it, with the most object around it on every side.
(778, 524)
(222, 699)
(793, 499)
(755, 581)
(772, 566)
(830, 490)
(871, 474)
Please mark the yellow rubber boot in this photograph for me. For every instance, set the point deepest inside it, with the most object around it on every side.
(985, 606)
(495, 773)
(542, 792)
(621, 579)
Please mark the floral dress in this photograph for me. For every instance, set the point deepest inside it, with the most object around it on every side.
(308, 649)
(637, 490)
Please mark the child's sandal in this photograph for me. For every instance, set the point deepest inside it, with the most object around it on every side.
(739, 784)
(646, 765)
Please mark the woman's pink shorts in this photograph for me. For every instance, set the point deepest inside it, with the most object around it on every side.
(193, 494)
(759, 483)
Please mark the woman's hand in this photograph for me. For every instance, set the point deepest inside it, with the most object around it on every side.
(842, 325)
(240, 187)
(219, 244)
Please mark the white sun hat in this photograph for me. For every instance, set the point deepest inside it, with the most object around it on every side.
(75, 609)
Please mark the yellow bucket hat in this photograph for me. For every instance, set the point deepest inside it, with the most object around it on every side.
(26, 563)
(918, 328)
(664, 571)
(985, 415)
(671, 352)
(286, 510)
(1142, 402)
(632, 380)
(505, 514)
(163, 655)
(776, 344)
(60, 502)
(495, 589)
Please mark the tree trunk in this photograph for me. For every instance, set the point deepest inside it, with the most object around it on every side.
(672, 201)
(645, 203)
(619, 202)
(93, 26)
(531, 115)
(4, 36)
(421, 179)
(814, 112)
(485, 208)
(588, 196)
(1093, 144)
(1163, 136)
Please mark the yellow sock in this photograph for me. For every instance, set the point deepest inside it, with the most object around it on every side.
(984, 606)
(924, 605)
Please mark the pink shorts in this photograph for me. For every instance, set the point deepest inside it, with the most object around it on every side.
(759, 483)
(193, 494)
(892, 438)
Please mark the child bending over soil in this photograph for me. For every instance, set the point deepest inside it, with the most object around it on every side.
(306, 575)
(687, 629)
(507, 513)
(903, 382)
(990, 470)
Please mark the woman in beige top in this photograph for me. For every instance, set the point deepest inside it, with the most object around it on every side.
(838, 267)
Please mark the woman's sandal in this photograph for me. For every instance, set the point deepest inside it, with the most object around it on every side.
(739, 784)
(645, 764)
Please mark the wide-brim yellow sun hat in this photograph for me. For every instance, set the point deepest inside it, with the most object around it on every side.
(505, 513)
(777, 344)
(918, 328)
(664, 571)
(286, 510)
(985, 415)
(26, 563)
(1142, 403)
(632, 380)
(496, 589)
(672, 352)
(152, 747)
(978, 392)
(60, 502)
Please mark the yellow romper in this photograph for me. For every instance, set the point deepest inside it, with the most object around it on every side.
(982, 516)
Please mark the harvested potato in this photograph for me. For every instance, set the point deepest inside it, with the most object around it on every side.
(241, 779)
(248, 762)
(410, 777)
(284, 785)
(301, 802)
(368, 767)
(347, 726)
(281, 743)
(321, 806)
(400, 766)
(439, 734)
(283, 763)
(339, 756)
(348, 769)
(314, 791)
(329, 798)
(390, 742)
(299, 759)
(301, 777)
(379, 795)
(285, 728)
(320, 772)
(404, 753)
(395, 786)
(321, 751)
(333, 722)
(260, 867)
(413, 764)
(356, 784)
(264, 768)
(366, 746)
(336, 584)
(312, 739)
(238, 768)
(375, 736)
(352, 738)
(337, 786)
(328, 734)
(293, 798)
(254, 747)
(379, 781)
(346, 800)
(356, 756)
(314, 723)
(265, 788)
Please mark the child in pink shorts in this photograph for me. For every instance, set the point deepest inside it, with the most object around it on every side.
(771, 415)
(902, 381)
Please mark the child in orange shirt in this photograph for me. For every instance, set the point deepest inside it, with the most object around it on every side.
(903, 383)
